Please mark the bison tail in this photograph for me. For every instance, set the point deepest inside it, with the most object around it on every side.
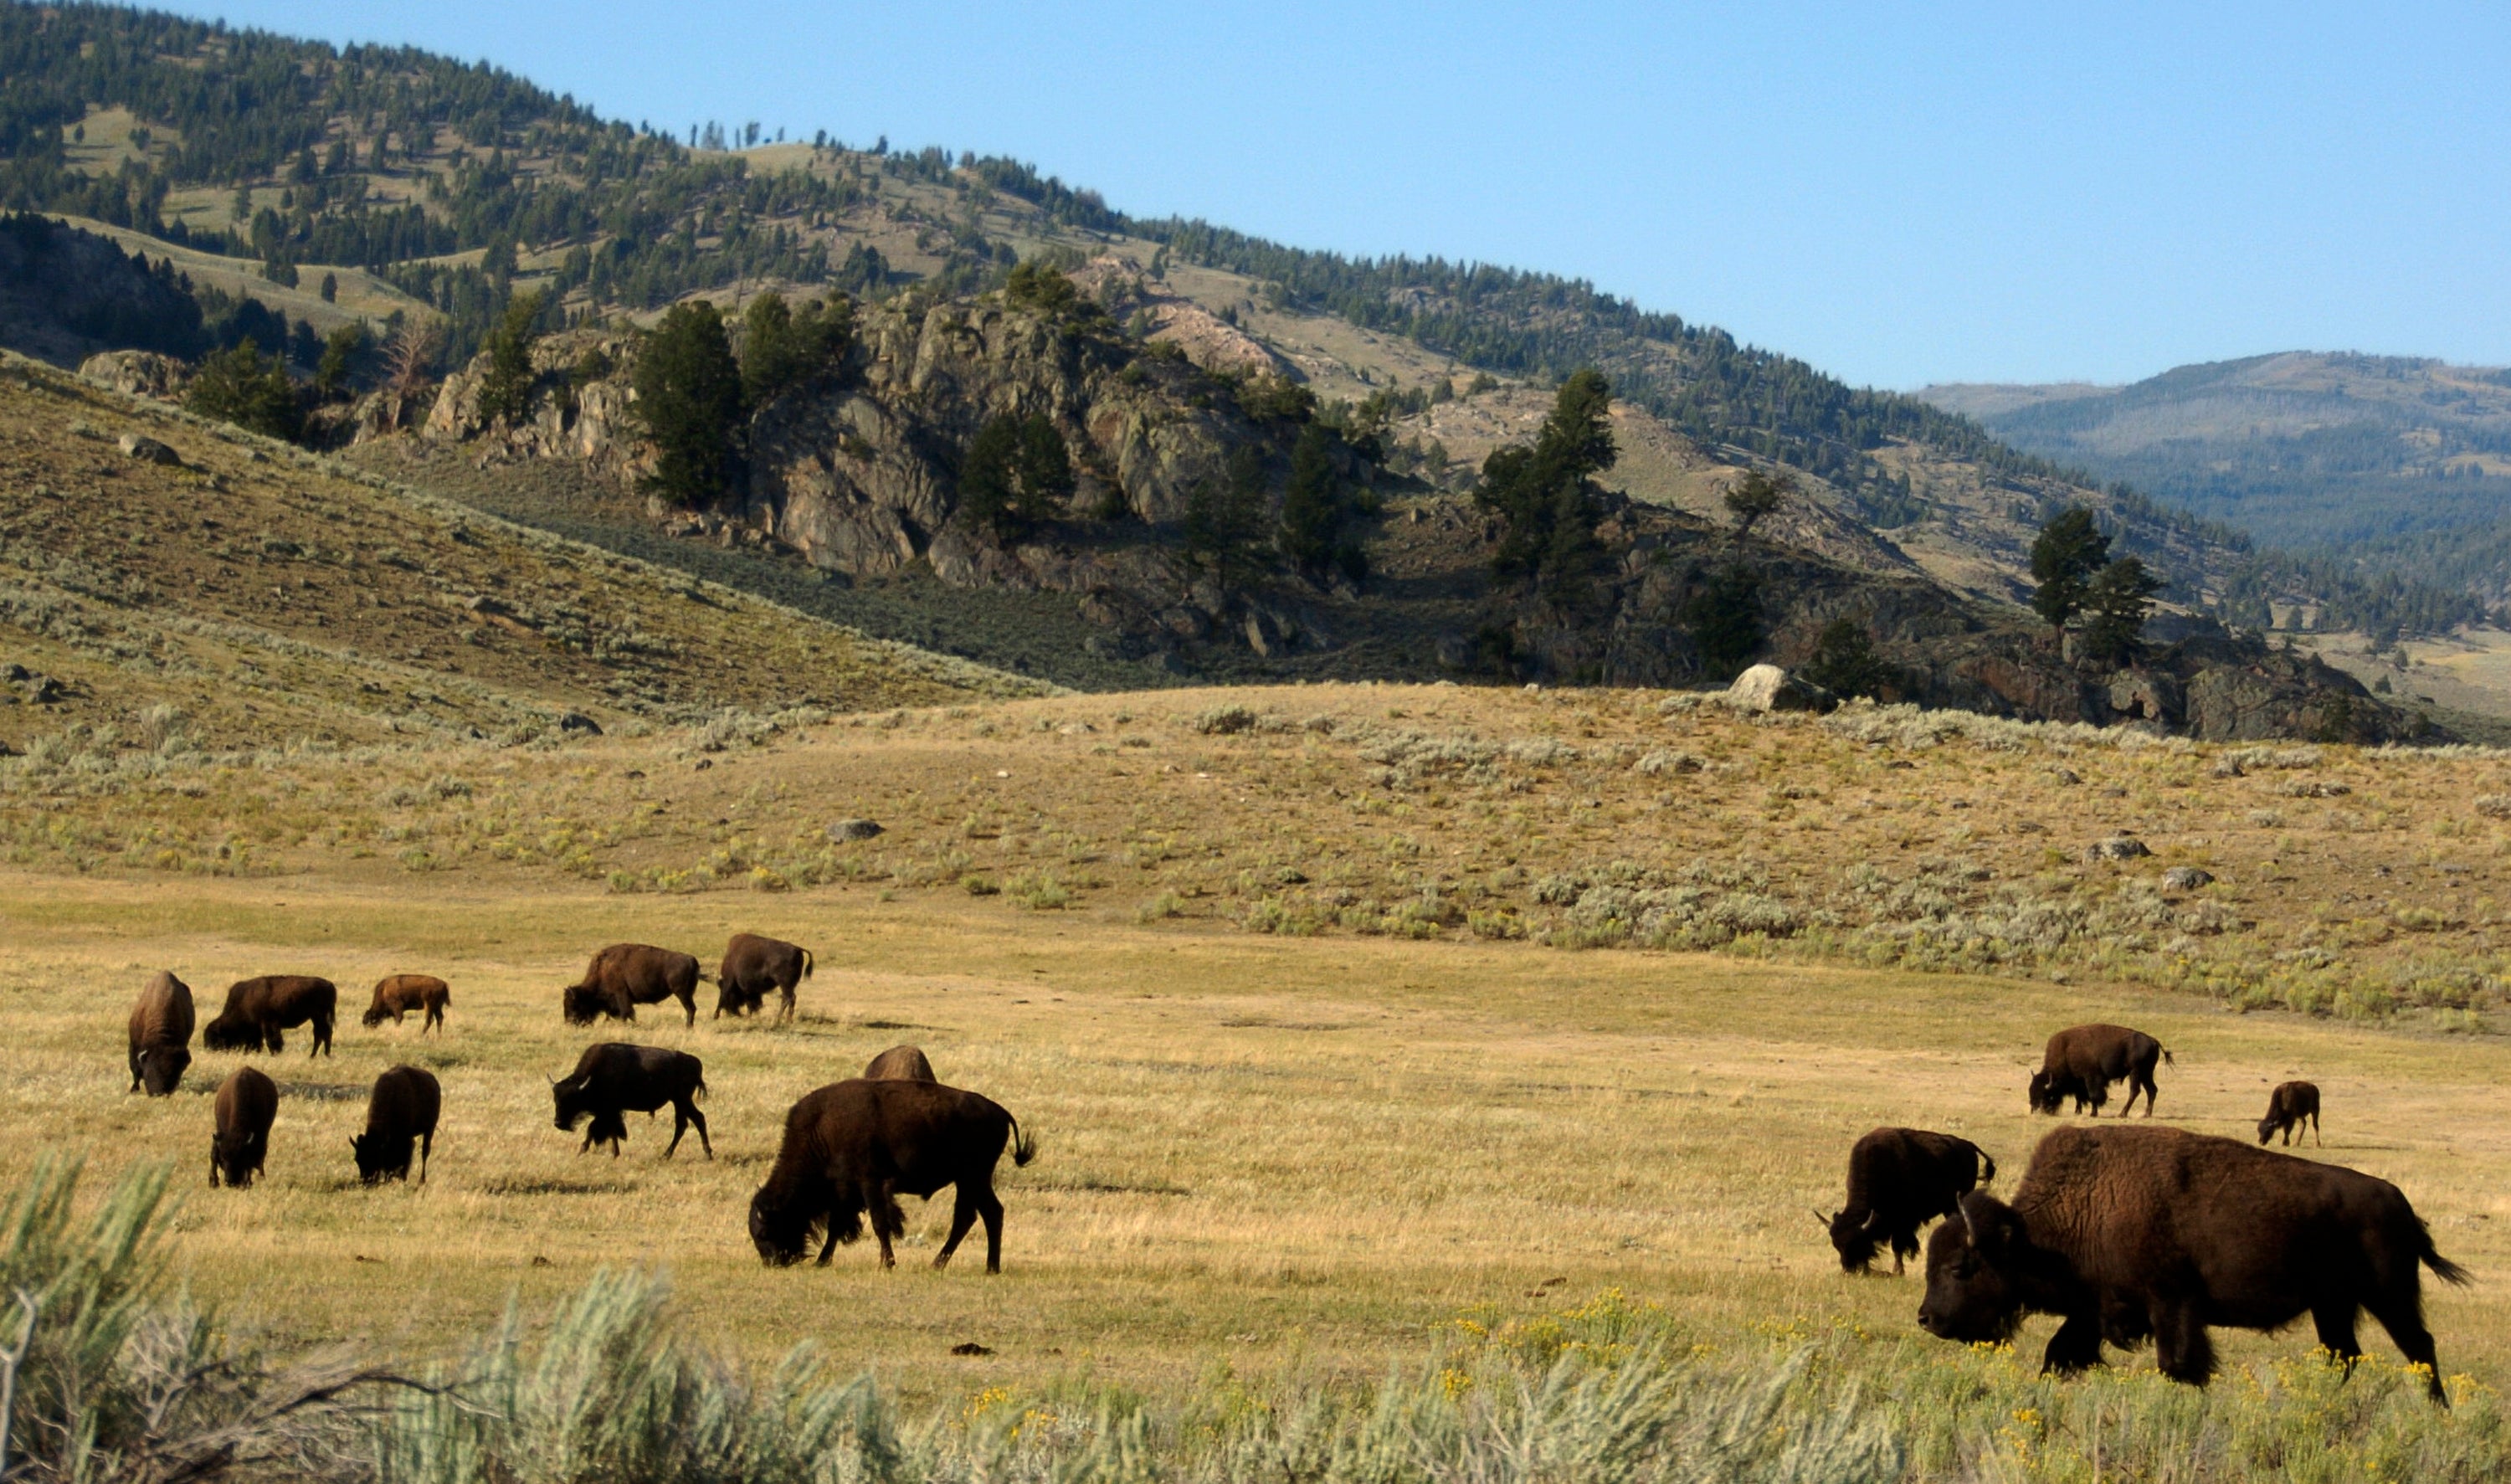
(1987, 1166)
(2443, 1267)
(699, 1090)
(806, 963)
(2165, 1058)
(1023, 1146)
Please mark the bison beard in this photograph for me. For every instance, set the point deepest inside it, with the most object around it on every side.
(2131, 1234)
(851, 1149)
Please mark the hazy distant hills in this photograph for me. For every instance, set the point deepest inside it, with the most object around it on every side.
(2351, 452)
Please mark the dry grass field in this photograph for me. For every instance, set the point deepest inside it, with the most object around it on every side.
(1343, 1013)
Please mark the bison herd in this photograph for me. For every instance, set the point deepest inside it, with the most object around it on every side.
(850, 1149)
(2124, 1233)
(2135, 1233)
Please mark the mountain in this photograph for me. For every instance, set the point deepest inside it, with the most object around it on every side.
(426, 198)
(2400, 465)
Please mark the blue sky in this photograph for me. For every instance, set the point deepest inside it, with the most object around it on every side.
(1897, 194)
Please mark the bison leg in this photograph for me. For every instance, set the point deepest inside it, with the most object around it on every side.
(963, 1215)
(322, 1034)
(426, 1147)
(2075, 1347)
(689, 1006)
(2314, 1132)
(2334, 1322)
(273, 1039)
(2181, 1347)
(2402, 1315)
(698, 1119)
(991, 1209)
(684, 1116)
(888, 1222)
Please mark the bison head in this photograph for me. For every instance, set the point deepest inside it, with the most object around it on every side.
(234, 1158)
(1853, 1237)
(780, 1233)
(1972, 1294)
(2046, 1096)
(2268, 1128)
(161, 1070)
(375, 1157)
(231, 1032)
(375, 1016)
(585, 1004)
(573, 1104)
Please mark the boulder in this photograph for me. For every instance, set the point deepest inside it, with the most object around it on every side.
(2185, 879)
(2119, 847)
(1767, 687)
(139, 372)
(149, 450)
(854, 829)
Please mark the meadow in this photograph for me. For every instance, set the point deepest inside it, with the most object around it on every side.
(1371, 1034)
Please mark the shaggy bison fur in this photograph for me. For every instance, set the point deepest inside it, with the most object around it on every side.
(2081, 1063)
(247, 1103)
(161, 1036)
(401, 1110)
(614, 1079)
(1899, 1180)
(396, 994)
(2289, 1107)
(855, 1147)
(751, 966)
(2136, 1232)
(626, 975)
(901, 1064)
(257, 1010)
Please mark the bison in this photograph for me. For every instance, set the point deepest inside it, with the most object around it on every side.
(2130, 1232)
(2083, 1061)
(396, 994)
(855, 1147)
(626, 975)
(247, 1103)
(1899, 1180)
(257, 1010)
(2287, 1107)
(751, 966)
(613, 1077)
(402, 1108)
(902, 1064)
(161, 1036)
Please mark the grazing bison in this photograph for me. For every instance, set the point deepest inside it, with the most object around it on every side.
(2083, 1061)
(626, 975)
(2130, 1232)
(257, 1010)
(247, 1104)
(396, 994)
(1899, 1180)
(751, 966)
(901, 1064)
(402, 1108)
(161, 1036)
(613, 1078)
(855, 1147)
(2287, 1107)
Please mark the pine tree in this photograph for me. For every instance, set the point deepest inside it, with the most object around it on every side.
(1544, 495)
(506, 386)
(1314, 510)
(1758, 496)
(1224, 521)
(2118, 598)
(243, 387)
(688, 391)
(2069, 549)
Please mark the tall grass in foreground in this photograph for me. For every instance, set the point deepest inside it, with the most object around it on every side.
(112, 1377)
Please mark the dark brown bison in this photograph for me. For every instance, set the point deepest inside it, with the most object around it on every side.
(396, 994)
(2130, 1232)
(613, 1078)
(247, 1104)
(2083, 1061)
(257, 1010)
(901, 1064)
(1899, 1180)
(2289, 1107)
(402, 1108)
(161, 1036)
(626, 975)
(751, 966)
(857, 1145)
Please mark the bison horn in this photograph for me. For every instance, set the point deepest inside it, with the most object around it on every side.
(1968, 1229)
(1819, 1219)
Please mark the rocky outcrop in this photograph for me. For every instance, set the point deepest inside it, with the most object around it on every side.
(1767, 687)
(139, 372)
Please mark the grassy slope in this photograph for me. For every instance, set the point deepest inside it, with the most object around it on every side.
(271, 595)
(1260, 1152)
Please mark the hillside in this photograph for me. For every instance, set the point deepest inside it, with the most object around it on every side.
(2403, 465)
(252, 594)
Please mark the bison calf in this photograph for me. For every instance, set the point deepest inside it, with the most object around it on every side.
(901, 1064)
(247, 1103)
(401, 1110)
(1899, 1180)
(613, 1078)
(2081, 1063)
(855, 1147)
(626, 975)
(751, 966)
(2131, 1232)
(257, 1010)
(161, 1036)
(396, 994)
(2287, 1107)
